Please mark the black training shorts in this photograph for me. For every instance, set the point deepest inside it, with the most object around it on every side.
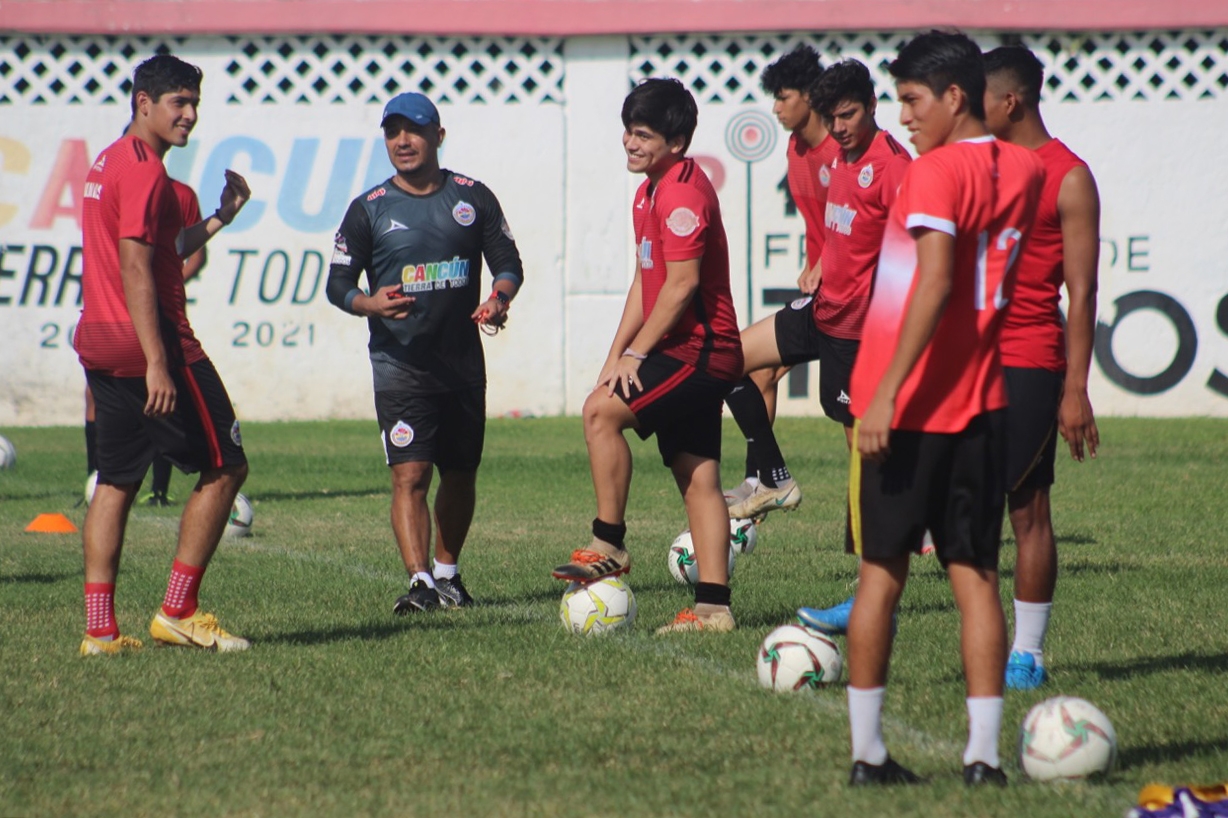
(679, 404)
(1031, 426)
(800, 341)
(444, 428)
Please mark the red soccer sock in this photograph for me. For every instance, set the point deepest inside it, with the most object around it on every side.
(181, 590)
(100, 610)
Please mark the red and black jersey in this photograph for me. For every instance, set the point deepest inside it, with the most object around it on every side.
(858, 199)
(809, 176)
(129, 196)
(984, 193)
(679, 219)
(1033, 336)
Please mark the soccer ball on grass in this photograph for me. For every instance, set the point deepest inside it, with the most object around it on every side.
(593, 608)
(1066, 739)
(8, 453)
(240, 522)
(684, 567)
(794, 657)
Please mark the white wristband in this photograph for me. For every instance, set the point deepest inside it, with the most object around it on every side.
(633, 354)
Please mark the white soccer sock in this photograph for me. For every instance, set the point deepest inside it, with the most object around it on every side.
(1031, 623)
(445, 571)
(866, 724)
(425, 576)
(984, 727)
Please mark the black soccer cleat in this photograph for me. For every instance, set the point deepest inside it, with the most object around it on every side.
(881, 775)
(978, 773)
(452, 593)
(421, 597)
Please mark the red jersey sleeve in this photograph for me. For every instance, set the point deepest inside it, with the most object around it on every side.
(928, 197)
(685, 218)
(188, 205)
(141, 194)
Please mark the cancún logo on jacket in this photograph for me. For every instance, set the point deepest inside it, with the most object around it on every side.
(435, 275)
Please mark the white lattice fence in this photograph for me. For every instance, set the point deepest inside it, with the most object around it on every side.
(303, 69)
(1186, 65)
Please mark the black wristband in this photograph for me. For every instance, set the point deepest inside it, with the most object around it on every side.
(217, 214)
(502, 297)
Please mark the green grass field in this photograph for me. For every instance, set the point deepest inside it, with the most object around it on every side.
(340, 709)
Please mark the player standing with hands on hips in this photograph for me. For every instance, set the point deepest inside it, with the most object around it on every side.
(155, 391)
(420, 237)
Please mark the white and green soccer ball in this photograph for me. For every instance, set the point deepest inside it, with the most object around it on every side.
(594, 608)
(683, 565)
(1066, 739)
(794, 657)
(743, 536)
(241, 515)
(8, 453)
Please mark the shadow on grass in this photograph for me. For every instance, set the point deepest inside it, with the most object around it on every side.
(317, 494)
(1164, 753)
(366, 632)
(38, 579)
(1129, 668)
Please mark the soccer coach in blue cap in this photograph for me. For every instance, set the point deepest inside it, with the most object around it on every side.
(420, 237)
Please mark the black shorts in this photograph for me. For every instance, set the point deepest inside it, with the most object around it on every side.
(1031, 426)
(800, 341)
(200, 435)
(951, 484)
(679, 404)
(444, 428)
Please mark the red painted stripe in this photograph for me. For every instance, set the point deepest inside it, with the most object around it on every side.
(579, 17)
(206, 419)
(662, 388)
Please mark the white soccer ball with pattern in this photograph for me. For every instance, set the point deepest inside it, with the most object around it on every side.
(8, 453)
(241, 515)
(1066, 739)
(683, 566)
(594, 608)
(743, 536)
(794, 657)
(91, 485)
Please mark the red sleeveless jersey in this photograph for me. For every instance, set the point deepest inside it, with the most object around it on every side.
(678, 220)
(984, 193)
(1032, 335)
(129, 196)
(808, 179)
(858, 199)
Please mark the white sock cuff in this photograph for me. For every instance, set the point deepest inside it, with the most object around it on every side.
(425, 576)
(445, 571)
(1033, 607)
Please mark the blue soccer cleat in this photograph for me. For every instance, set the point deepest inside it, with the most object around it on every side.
(832, 621)
(1023, 672)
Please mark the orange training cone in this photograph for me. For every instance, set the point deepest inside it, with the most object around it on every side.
(51, 524)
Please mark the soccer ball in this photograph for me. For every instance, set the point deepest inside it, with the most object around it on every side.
(8, 453)
(794, 657)
(743, 535)
(683, 566)
(593, 608)
(240, 522)
(91, 483)
(1066, 739)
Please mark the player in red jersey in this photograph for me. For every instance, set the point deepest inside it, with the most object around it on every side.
(789, 80)
(929, 394)
(1046, 368)
(674, 357)
(861, 181)
(155, 391)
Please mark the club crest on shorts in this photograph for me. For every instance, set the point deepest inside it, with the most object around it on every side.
(866, 176)
(824, 176)
(682, 222)
(464, 214)
(234, 434)
(800, 303)
(401, 435)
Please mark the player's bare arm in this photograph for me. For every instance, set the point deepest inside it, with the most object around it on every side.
(193, 264)
(935, 274)
(1078, 204)
(234, 196)
(141, 298)
(681, 283)
(808, 281)
(628, 326)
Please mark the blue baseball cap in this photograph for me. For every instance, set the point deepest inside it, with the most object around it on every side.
(413, 106)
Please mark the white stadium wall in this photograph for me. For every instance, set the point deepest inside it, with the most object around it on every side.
(537, 119)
